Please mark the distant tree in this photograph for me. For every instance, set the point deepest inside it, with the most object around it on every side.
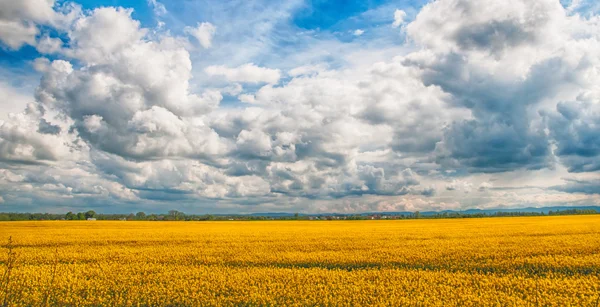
(140, 216)
(90, 214)
(417, 214)
(80, 216)
(70, 216)
(173, 214)
(296, 215)
(131, 217)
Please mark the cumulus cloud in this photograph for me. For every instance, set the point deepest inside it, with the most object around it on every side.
(487, 26)
(247, 73)
(28, 138)
(503, 67)
(18, 20)
(574, 126)
(105, 34)
(16, 33)
(203, 33)
(358, 32)
(131, 95)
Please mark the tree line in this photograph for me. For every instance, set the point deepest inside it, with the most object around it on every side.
(174, 215)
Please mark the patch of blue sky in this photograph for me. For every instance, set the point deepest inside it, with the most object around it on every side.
(16, 68)
(326, 14)
(586, 8)
(343, 15)
(141, 9)
(566, 3)
(17, 58)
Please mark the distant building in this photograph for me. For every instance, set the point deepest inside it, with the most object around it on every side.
(91, 218)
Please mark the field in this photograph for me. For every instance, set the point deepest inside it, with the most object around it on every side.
(524, 261)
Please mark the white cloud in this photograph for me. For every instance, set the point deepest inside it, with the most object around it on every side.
(246, 98)
(399, 18)
(233, 89)
(104, 34)
(358, 32)
(93, 123)
(203, 33)
(13, 101)
(17, 33)
(127, 88)
(22, 140)
(247, 73)
(307, 70)
(459, 185)
(49, 45)
(158, 8)
(19, 20)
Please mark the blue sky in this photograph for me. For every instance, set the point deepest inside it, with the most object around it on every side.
(298, 106)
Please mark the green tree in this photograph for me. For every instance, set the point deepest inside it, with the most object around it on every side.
(140, 216)
(90, 214)
(80, 216)
(70, 216)
(175, 215)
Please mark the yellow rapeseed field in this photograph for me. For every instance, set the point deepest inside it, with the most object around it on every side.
(524, 261)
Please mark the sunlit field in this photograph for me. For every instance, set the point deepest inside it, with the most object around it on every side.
(535, 261)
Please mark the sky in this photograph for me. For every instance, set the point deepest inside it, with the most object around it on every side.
(304, 106)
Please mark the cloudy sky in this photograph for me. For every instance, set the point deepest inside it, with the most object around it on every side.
(213, 106)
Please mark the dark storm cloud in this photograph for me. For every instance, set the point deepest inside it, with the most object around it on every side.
(575, 127)
(579, 186)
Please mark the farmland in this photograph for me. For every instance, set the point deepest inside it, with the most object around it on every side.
(536, 261)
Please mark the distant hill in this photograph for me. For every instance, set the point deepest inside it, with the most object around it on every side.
(544, 210)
